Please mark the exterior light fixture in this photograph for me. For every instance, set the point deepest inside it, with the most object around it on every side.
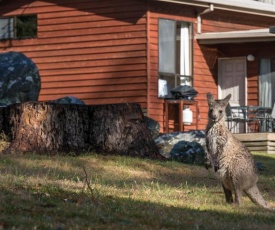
(250, 57)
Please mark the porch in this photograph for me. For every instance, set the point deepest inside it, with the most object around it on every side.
(258, 142)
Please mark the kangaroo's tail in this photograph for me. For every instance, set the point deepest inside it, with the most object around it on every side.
(256, 197)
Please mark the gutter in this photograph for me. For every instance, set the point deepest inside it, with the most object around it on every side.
(244, 6)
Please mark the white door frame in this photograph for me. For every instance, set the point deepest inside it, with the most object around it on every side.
(220, 76)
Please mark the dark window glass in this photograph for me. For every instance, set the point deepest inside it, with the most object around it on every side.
(26, 26)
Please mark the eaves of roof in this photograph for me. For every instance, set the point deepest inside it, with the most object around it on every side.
(242, 6)
(258, 35)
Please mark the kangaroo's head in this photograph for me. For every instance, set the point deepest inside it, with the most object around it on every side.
(217, 107)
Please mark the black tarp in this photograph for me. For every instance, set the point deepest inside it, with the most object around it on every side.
(184, 92)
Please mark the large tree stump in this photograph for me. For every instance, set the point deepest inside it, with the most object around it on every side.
(51, 128)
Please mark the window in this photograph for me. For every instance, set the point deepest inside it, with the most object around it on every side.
(175, 55)
(267, 82)
(18, 27)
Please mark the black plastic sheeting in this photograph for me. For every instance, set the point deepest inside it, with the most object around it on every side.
(184, 92)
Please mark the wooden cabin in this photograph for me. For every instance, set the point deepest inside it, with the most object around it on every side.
(123, 51)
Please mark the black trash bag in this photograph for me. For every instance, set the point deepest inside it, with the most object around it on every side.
(184, 92)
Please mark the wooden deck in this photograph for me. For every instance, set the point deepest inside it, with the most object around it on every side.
(258, 142)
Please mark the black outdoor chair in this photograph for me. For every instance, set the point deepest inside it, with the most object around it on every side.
(263, 119)
(236, 119)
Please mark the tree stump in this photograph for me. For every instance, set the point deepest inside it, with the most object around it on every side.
(45, 127)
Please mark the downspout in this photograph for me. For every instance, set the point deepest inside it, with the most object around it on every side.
(209, 9)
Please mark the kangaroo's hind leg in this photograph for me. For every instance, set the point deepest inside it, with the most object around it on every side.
(238, 195)
(228, 194)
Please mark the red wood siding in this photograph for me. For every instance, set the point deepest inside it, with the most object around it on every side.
(93, 50)
(205, 57)
(103, 51)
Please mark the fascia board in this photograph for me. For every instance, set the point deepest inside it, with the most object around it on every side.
(243, 6)
(259, 35)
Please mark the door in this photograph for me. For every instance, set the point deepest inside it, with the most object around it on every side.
(232, 80)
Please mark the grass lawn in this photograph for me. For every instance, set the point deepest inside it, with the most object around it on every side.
(116, 192)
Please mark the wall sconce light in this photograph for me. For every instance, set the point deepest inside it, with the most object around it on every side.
(250, 57)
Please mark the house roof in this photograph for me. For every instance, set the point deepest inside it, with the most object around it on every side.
(258, 35)
(243, 6)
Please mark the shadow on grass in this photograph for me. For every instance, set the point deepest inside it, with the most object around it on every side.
(25, 210)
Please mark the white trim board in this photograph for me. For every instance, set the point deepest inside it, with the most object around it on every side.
(258, 35)
(243, 6)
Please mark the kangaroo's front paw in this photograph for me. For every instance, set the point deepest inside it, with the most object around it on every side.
(207, 164)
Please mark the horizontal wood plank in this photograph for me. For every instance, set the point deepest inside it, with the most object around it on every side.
(93, 50)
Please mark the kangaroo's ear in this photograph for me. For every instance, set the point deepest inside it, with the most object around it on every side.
(226, 100)
(210, 98)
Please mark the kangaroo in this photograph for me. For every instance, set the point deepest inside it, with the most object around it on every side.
(230, 159)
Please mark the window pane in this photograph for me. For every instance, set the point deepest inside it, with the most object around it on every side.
(26, 26)
(167, 46)
(185, 80)
(272, 81)
(265, 82)
(165, 84)
(185, 49)
(6, 28)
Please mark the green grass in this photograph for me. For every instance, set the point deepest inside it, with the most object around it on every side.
(40, 192)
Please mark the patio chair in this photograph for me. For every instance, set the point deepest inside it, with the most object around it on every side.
(235, 118)
(263, 119)
(271, 120)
